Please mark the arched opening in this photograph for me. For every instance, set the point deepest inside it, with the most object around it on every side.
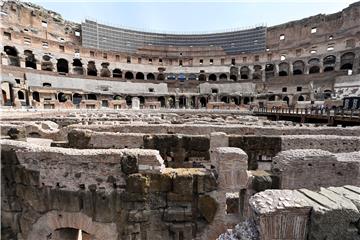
(78, 66)
(298, 67)
(128, 100)
(36, 96)
(129, 75)
(4, 96)
(71, 234)
(150, 76)
(246, 100)
(272, 98)
(91, 96)
(327, 94)
(347, 61)
(234, 71)
(62, 97)
(162, 101)
(62, 65)
(286, 99)
(30, 61)
(91, 69)
(301, 98)
(212, 77)
(203, 102)
(117, 73)
(257, 72)
(171, 76)
(139, 75)
(223, 77)
(269, 70)
(329, 63)
(314, 69)
(105, 72)
(13, 57)
(283, 69)
(314, 65)
(46, 64)
(202, 77)
(142, 101)
(225, 99)
(234, 100)
(182, 102)
(181, 77)
(21, 95)
(171, 101)
(117, 97)
(77, 98)
(244, 72)
(161, 77)
(192, 77)
(233, 77)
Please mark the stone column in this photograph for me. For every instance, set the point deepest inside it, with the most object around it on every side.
(177, 102)
(135, 104)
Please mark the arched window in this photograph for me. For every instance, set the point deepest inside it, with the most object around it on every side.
(298, 67)
(12, 54)
(286, 99)
(139, 75)
(192, 77)
(46, 64)
(212, 77)
(301, 98)
(91, 96)
(171, 76)
(203, 102)
(77, 98)
(150, 76)
(117, 73)
(161, 77)
(21, 95)
(272, 98)
(162, 101)
(244, 72)
(181, 77)
(246, 100)
(223, 77)
(314, 69)
(36, 96)
(269, 70)
(78, 66)
(347, 61)
(129, 75)
(202, 77)
(62, 65)
(225, 99)
(233, 77)
(91, 69)
(30, 60)
(105, 72)
(62, 97)
(257, 72)
(283, 69)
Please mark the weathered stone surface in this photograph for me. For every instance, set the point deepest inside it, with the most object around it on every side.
(137, 183)
(208, 207)
(17, 133)
(79, 139)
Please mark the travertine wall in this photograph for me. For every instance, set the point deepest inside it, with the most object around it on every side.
(110, 194)
(314, 168)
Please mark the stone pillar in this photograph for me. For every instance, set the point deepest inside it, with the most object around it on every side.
(177, 102)
(135, 103)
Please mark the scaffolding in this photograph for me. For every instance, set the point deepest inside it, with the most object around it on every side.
(104, 37)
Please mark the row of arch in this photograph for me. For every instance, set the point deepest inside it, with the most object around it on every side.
(298, 67)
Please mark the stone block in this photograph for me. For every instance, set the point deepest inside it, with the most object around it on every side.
(177, 214)
(137, 183)
(129, 163)
(207, 207)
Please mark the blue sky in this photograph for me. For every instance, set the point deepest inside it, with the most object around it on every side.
(199, 16)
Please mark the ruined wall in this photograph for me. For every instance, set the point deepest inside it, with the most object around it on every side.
(110, 194)
(313, 168)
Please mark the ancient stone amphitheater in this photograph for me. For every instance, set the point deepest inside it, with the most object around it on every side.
(110, 133)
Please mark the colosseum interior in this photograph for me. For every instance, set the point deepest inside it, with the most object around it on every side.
(110, 133)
